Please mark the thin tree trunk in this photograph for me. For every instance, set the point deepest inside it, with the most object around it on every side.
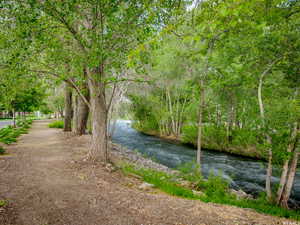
(268, 138)
(68, 109)
(171, 111)
(98, 149)
(82, 112)
(290, 180)
(218, 115)
(202, 101)
(285, 166)
(200, 120)
(14, 118)
(75, 113)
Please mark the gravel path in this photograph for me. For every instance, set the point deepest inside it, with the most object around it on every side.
(46, 182)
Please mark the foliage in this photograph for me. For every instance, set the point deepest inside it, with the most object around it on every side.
(57, 124)
(3, 203)
(2, 150)
(10, 134)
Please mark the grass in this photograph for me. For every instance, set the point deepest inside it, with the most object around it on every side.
(214, 189)
(3, 203)
(57, 124)
(2, 150)
(10, 134)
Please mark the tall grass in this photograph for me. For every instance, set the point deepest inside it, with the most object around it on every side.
(10, 134)
(57, 124)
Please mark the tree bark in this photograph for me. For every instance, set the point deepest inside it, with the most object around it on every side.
(75, 113)
(268, 138)
(68, 109)
(285, 166)
(200, 120)
(82, 113)
(14, 118)
(290, 181)
(98, 150)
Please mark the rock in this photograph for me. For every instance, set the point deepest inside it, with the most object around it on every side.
(110, 168)
(140, 160)
(241, 194)
(146, 186)
(200, 193)
(185, 183)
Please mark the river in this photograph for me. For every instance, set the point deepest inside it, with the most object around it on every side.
(242, 173)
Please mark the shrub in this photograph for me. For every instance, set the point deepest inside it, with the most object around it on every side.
(3, 203)
(216, 187)
(189, 134)
(10, 134)
(57, 124)
(2, 150)
(191, 171)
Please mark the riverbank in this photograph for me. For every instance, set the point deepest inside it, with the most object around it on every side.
(50, 182)
(249, 152)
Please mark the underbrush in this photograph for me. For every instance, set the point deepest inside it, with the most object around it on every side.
(2, 150)
(57, 124)
(242, 141)
(10, 134)
(188, 183)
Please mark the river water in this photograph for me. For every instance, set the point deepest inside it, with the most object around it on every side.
(242, 173)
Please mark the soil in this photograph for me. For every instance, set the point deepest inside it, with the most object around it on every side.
(46, 181)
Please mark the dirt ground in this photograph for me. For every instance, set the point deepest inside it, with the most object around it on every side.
(46, 182)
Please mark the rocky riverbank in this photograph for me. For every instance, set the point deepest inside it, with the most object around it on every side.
(139, 160)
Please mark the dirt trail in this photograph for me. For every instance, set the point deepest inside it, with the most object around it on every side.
(46, 182)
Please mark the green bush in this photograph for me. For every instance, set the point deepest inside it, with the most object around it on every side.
(3, 203)
(10, 134)
(189, 134)
(2, 150)
(216, 187)
(57, 124)
(191, 171)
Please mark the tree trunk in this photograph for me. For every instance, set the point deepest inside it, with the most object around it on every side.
(98, 149)
(14, 118)
(292, 171)
(75, 113)
(68, 108)
(268, 138)
(290, 181)
(82, 113)
(200, 120)
(285, 167)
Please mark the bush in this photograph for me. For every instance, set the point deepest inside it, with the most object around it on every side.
(57, 124)
(216, 187)
(10, 134)
(2, 150)
(191, 171)
(3, 203)
(189, 134)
